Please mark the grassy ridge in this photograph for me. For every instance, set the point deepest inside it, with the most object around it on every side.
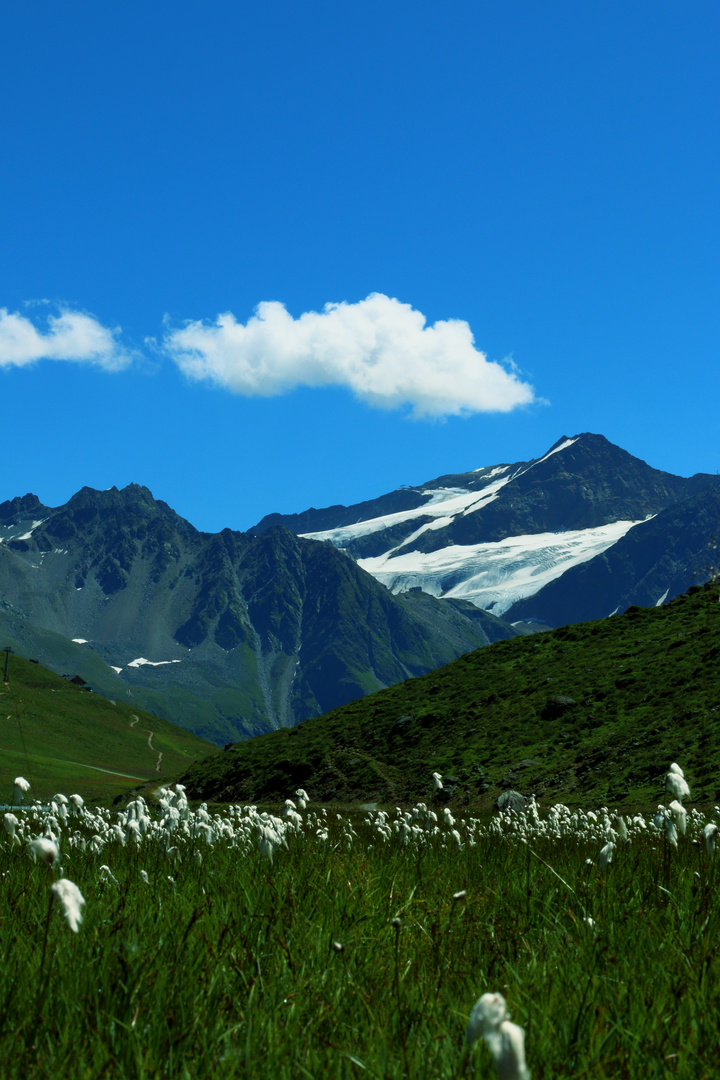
(61, 737)
(643, 690)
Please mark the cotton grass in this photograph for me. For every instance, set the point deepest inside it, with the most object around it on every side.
(71, 901)
(356, 937)
(490, 1021)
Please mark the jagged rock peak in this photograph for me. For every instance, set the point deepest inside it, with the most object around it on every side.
(20, 506)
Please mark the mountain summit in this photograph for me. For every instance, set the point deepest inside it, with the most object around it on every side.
(512, 538)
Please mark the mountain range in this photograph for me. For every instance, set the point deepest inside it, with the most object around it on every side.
(233, 634)
(228, 634)
(579, 533)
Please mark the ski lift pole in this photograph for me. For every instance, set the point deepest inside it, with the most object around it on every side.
(7, 650)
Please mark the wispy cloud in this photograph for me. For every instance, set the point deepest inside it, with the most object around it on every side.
(380, 349)
(68, 335)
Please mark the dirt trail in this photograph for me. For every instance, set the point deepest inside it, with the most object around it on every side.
(112, 772)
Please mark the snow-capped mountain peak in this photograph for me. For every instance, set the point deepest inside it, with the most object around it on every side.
(501, 534)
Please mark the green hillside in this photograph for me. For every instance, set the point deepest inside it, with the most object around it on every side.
(63, 738)
(593, 712)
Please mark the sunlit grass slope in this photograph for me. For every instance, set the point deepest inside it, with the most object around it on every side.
(589, 712)
(61, 737)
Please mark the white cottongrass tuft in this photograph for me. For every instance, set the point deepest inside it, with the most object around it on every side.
(44, 849)
(676, 783)
(106, 874)
(490, 1021)
(10, 823)
(679, 816)
(710, 833)
(21, 786)
(437, 782)
(72, 901)
(621, 827)
(606, 855)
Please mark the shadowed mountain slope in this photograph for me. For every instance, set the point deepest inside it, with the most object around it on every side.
(228, 634)
(592, 713)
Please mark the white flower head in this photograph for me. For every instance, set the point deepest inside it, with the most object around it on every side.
(488, 1013)
(679, 814)
(621, 826)
(437, 781)
(606, 855)
(505, 1040)
(72, 901)
(676, 783)
(10, 823)
(20, 788)
(45, 849)
(710, 833)
(106, 874)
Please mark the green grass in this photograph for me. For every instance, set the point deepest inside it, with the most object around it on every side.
(228, 967)
(60, 737)
(645, 686)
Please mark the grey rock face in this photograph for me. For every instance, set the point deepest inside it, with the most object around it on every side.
(511, 800)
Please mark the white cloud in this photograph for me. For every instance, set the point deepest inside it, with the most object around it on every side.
(379, 348)
(70, 335)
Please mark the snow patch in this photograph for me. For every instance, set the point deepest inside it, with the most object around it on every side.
(494, 576)
(116, 669)
(141, 661)
(444, 503)
(80, 640)
(663, 598)
(493, 472)
(556, 450)
(28, 534)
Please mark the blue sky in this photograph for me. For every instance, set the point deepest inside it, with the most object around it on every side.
(472, 185)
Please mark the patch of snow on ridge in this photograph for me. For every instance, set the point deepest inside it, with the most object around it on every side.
(151, 663)
(663, 598)
(556, 450)
(80, 640)
(28, 534)
(493, 471)
(444, 503)
(494, 575)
